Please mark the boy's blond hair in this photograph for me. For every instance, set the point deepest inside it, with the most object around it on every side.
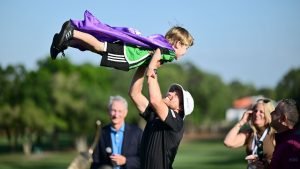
(180, 34)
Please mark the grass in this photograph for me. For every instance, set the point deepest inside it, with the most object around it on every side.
(209, 154)
(46, 160)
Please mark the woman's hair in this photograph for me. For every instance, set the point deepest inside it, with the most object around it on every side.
(180, 34)
(268, 108)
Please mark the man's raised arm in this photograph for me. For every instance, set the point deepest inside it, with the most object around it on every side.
(136, 87)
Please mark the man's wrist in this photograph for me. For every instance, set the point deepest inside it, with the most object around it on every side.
(155, 71)
(153, 68)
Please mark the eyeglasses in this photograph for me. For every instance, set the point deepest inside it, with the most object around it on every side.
(264, 100)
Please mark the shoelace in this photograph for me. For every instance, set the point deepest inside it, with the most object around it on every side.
(62, 51)
(68, 36)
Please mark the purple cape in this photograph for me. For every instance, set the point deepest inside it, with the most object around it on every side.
(104, 32)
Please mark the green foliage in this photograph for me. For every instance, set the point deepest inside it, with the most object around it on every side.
(212, 97)
(241, 90)
(266, 92)
(63, 97)
(288, 86)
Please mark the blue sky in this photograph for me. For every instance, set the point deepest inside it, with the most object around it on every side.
(254, 41)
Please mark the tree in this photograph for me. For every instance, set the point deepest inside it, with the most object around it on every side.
(239, 89)
(267, 92)
(11, 79)
(288, 86)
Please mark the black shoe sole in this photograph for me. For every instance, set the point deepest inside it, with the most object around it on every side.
(54, 51)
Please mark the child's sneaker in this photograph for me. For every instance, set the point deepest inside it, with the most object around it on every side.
(54, 51)
(61, 41)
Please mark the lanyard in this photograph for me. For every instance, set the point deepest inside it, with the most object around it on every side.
(254, 146)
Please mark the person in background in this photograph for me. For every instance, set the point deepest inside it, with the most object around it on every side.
(119, 143)
(285, 120)
(259, 140)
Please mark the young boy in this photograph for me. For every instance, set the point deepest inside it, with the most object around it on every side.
(121, 47)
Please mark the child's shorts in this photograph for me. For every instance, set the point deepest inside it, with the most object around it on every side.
(124, 57)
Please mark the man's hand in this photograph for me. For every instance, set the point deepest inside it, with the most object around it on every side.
(254, 163)
(118, 159)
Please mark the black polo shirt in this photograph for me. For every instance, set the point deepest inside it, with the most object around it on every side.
(160, 140)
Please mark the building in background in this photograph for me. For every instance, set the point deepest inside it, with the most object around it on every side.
(240, 106)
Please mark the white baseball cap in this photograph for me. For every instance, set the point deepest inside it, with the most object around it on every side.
(188, 101)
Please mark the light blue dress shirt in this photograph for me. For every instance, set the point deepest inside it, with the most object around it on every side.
(117, 141)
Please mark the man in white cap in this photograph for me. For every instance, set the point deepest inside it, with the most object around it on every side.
(164, 116)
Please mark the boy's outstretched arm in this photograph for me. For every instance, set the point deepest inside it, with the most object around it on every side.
(136, 87)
